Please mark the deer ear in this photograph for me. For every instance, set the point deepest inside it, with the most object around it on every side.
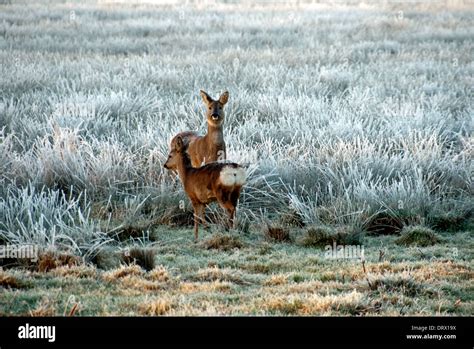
(205, 97)
(179, 143)
(224, 97)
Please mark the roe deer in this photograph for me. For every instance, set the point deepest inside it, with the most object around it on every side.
(187, 137)
(208, 148)
(216, 181)
(211, 147)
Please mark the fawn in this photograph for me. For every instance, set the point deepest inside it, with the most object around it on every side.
(186, 137)
(215, 181)
(211, 147)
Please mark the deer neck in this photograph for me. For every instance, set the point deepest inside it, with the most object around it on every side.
(215, 135)
(183, 166)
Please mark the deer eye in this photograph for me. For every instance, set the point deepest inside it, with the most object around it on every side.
(210, 108)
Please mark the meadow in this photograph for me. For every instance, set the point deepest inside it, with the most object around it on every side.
(354, 121)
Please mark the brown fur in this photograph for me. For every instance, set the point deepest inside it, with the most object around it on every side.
(203, 185)
(187, 137)
(211, 147)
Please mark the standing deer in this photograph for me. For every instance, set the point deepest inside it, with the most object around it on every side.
(208, 148)
(187, 137)
(215, 181)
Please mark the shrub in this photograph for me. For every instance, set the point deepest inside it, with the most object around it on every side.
(449, 221)
(319, 236)
(418, 236)
(144, 257)
(277, 233)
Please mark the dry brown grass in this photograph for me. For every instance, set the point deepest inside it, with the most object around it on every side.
(159, 274)
(75, 271)
(50, 260)
(199, 287)
(277, 233)
(217, 274)
(45, 307)
(8, 280)
(285, 305)
(312, 304)
(443, 270)
(156, 307)
(222, 242)
(276, 280)
(133, 277)
(139, 283)
(315, 286)
(121, 272)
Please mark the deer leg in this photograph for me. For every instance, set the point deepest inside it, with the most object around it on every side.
(197, 211)
(228, 199)
(202, 216)
(223, 200)
(231, 211)
(230, 208)
(234, 200)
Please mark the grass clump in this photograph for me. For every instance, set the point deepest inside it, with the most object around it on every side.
(284, 306)
(317, 236)
(292, 219)
(277, 233)
(107, 258)
(159, 274)
(417, 236)
(222, 242)
(45, 307)
(449, 221)
(215, 273)
(322, 235)
(122, 272)
(51, 260)
(176, 217)
(135, 230)
(8, 280)
(156, 307)
(384, 223)
(144, 257)
(76, 272)
(403, 284)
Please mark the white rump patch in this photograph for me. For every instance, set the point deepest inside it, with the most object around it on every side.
(231, 176)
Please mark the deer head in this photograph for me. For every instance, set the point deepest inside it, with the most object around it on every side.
(215, 109)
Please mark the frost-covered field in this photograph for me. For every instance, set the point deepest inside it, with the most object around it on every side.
(355, 118)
